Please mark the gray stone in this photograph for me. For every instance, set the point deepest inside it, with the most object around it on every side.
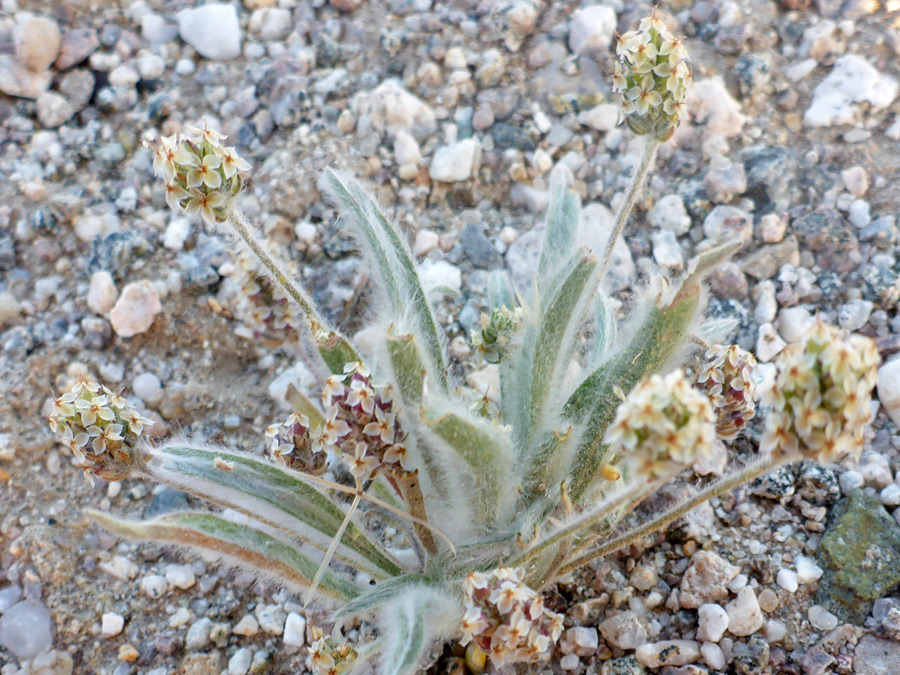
(876, 656)
(25, 629)
(17, 80)
(478, 248)
(75, 47)
(78, 87)
(53, 109)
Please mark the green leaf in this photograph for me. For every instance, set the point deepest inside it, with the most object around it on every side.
(485, 452)
(563, 215)
(403, 650)
(499, 290)
(394, 264)
(269, 493)
(384, 592)
(335, 351)
(408, 367)
(605, 330)
(237, 543)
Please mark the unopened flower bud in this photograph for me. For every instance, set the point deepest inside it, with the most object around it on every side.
(821, 399)
(202, 176)
(725, 376)
(664, 424)
(652, 77)
(101, 428)
(495, 336)
(294, 444)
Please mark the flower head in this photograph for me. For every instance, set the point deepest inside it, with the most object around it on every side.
(496, 334)
(263, 306)
(292, 443)
(201, 175)
(328, 656)
(820, 400)
(663, 424)
(652, 77)
(101, 428)
(506, 619)
(725, 376)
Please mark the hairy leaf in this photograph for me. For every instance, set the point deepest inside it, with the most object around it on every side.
(408, 367)
(385, 592)
(562, 229)
(238, 544)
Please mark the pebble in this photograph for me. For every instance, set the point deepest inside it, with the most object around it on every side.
(668, 653)
(390, 108)
(856, 180)
(853, 315)
(705, 579)
(591, 29)
(426, 241)
(294, 630)
(135, 310)
(728, 221)
(102, 293)
(603, 117)
(713, 108)
(787, 579)
(624, 631)
(713, 655)
(769, 344)
(248, 626)
(772, 228)
(774, 630)
(19, 81)
(807, 569)
(723, 183)
(713, 622)
(456, 162)
(76, 46)
(119, 567)
(728, 281)
(851, 480)
(889, 389)
(197, 638)
(569, 662)
(239, 664)
(78, 87)
(669, 214)
(177, 232)
(9, 596)
(439, 274)
(852, 81)
(154, 586)
(180, 576)
(26, 629)
(794, 324)
(111, 624)
(271, 23)
(271, 618)
(666, 250)
(822, 619)
(644, 577)
(407, 154)
(768, 600)
(53, 109)
(212, 29)
(148, 388)
(37, 42)
(744, 614)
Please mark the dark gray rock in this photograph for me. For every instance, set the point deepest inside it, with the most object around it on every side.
(478, 248)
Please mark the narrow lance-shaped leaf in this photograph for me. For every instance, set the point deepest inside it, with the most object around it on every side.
(385, 592)
(605, 329)
(394, 263)
(499, 290)
(238, 544)
(408, 367)
(269, 493)
(563, 215)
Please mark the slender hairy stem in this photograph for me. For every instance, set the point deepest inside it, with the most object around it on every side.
(415, 500)
(637, 181)
(333, 546)
(381, 504)
(720, 487)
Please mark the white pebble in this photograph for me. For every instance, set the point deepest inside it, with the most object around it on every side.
(26, 629)
(102, 293)
(456, 162)
(774, 630)
(180, 576)
(713, 620)
(856, 180)
(180, 618)
(851, 480)
(569, 662)
(439, 275)
(794, 324)
(821, 618)
(769, 344)
(426, 241)
(713, 655)
(271, 618)
(154, 586)
(248, 626)
(668, 653)
(889, 389)
(135, 309)
(591, 29)
(213, 30)
(295, 630)
(148, 388)
(177, 232)
(744, 615)
(787, 579)
(890, 496)
(807, 569)
(111, 624)
(239, 664)
(119, 567)
(669, 214)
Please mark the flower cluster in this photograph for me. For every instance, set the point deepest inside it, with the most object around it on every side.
(201, 174)
(328, 656)
(298, 446)
(725, 376)
(821, 398)
(663, 424)
(652, 77)
(361, 423)
(506, 619)
(264, 307)
(101, 428)
(496, 333)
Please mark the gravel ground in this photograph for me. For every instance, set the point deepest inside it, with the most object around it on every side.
(454, 112)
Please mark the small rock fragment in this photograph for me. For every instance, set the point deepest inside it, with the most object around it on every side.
(591, 29)
(889, 389)
(705, 580)
(713, 620)
(37, 43)
(744, 614)
(135, 309)
(25, 629)
(102, 293)
(456, 162)
(668, 653)
(111, 624)
(213, 30)
(294, 630)
(180, 576)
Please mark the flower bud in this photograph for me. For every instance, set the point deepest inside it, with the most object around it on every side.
(821, 399)
(263, 306)
(506, 619)
(101, 428)
(496, 334)
(328, 656)
(664, 424)
(202, 176)
(725, 376)
(652, 77)
(294, 444)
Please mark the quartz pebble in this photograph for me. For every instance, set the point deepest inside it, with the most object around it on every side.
(794, 323)
(53, 110)
(9, 596)
(135, 309)
(713, 620)
(111, 624)
(154, 586)
(624, 631)
(148, 388)
(271, 618)
(852, 81)
(772, 228)
(744, 614)
(37, 41)
(25, 629)
(713, 655)
(890, 495)
(889, 389)
(668, 653)
(705, 579)
(197, 638)
(180, 576)
(666, 250)
(591, 29)
(239, 663)
(456, 162)
(714, 109)
(807, 569)
(212, 29)
(669, 214)
(248, 626)
(787, 579)
(769, 344)
(294, 630)
(822, 619)
(102, 292)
